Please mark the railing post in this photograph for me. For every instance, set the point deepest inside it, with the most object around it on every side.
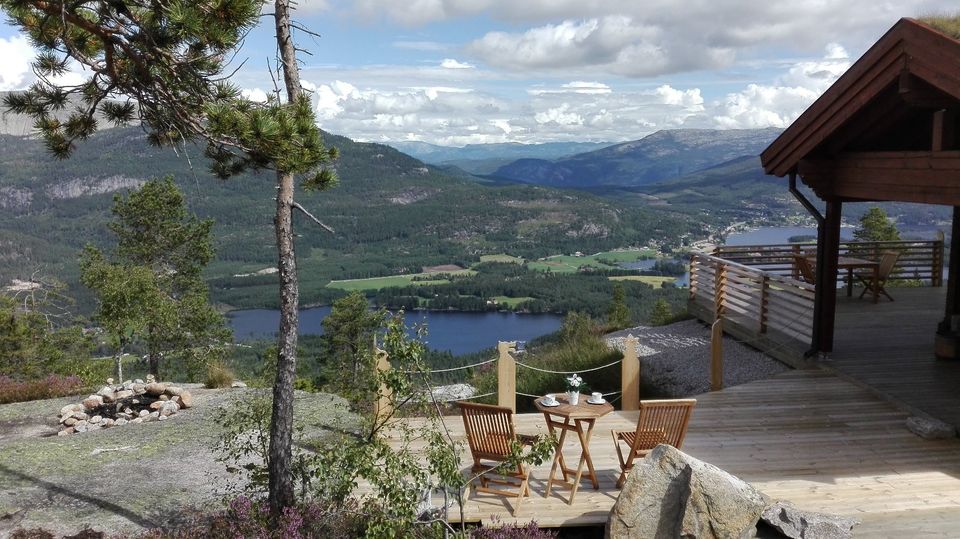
(693, 276)
(716, 356)
(384, 405)
(937, 270)
(507, 375)
(630, 375)
(764, 300)
(719, 283)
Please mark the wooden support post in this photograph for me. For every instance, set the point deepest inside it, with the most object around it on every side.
(716, 355)
(825, 296)
(630, 375)
(384, 406)
(507, 375)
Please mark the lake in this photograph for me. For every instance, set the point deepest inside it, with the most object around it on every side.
(682, 280)
(768, 235)
(456, 332)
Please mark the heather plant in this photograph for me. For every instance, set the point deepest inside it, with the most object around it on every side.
(54, 385)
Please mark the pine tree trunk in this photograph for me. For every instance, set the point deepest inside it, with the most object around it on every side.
(281, 492)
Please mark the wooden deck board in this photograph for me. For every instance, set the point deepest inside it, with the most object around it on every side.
(807, 436)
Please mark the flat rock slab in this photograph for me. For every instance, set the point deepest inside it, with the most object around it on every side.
(930, 428)
(796, 523)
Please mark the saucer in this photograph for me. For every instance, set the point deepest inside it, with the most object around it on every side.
(601, 401)
(545, 403)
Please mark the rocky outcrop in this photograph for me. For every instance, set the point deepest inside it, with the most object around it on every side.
(88, 186)
(131, 402)
(798, 524)
(671, 494)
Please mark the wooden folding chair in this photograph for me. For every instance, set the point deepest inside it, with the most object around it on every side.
(888, 261)
(660, 422)
(805, 269)
(490, 434)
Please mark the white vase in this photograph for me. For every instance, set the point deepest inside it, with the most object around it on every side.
(573, 397)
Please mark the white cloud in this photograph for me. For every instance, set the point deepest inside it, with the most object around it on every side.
(15, 71)
(450, 63)
(779, 104)
(653, 37)
(256, 95)
(559, 115)
(689, 99)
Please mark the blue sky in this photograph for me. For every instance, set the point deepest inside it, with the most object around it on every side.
(472, 71)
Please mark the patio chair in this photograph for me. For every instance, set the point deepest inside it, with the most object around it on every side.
(490, 434)
(660, 422)
(805, 268)
(888, 261)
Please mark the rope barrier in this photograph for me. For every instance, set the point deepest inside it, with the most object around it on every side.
(473, 397)
(524, 365)
(452, 369)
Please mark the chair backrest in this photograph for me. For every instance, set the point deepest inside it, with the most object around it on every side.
(489, 429)
(805, 268)
(888, 261)
(663, 422)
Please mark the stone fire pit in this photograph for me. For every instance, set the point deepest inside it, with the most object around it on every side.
(133, 401)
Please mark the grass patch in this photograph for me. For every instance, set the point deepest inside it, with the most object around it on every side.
(501, 258)
(376, 283)
(510, 302)
(652, 280)
(572, 264)
(948, 24)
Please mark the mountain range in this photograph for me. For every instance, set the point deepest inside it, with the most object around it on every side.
(658, 157)
(486, 158)
(391, 212)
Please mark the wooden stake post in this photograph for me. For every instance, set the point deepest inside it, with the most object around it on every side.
(630, 375)
(507, 375)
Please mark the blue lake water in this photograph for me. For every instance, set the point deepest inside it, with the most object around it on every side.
(683, 280)
(456, 332)
(779, 234)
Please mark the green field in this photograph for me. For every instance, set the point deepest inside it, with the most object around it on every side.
(510, 302)
(502, 258)
(376, 283)
(571, 264)
(653, 280)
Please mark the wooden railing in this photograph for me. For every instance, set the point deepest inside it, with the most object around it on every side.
(919, 260)
(751, 301)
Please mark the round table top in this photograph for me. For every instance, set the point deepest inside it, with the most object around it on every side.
(581, 410)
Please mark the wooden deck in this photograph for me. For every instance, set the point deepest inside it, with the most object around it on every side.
(888, 346)
(807, 436)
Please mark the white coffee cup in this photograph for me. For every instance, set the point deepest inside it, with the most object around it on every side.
(549, 399)
(596, 396)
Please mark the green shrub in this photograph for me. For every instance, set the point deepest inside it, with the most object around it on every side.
(218, 376)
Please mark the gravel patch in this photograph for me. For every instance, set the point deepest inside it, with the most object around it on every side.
(675, 359)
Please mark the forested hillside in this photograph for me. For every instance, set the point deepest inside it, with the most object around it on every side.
(391, 213)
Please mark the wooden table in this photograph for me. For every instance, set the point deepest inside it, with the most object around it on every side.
(851, 263)
(579, 418)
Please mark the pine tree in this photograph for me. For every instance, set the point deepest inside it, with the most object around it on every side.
(661, 314)
(163, 64)
(619, 314)
(875, 226)
(161, 252)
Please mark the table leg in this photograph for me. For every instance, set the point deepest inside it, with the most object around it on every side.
(584, 458)
(558, 454)
(876, 283)
(849, 282)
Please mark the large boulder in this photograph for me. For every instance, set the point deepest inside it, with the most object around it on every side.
(186, 399)
(798, 524)
(155, 389)
(671, 494)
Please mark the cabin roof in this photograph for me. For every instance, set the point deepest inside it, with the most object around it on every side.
(882, 103)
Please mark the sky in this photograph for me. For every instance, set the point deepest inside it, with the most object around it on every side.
(456, 72)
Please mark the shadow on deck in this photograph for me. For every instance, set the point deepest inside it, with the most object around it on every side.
(888, 346)
(807, 436)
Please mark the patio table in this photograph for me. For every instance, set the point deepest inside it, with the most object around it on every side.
(579, 418)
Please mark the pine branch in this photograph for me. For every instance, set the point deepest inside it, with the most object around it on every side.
(311, 216)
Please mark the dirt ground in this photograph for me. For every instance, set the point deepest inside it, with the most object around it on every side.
(123, 479)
